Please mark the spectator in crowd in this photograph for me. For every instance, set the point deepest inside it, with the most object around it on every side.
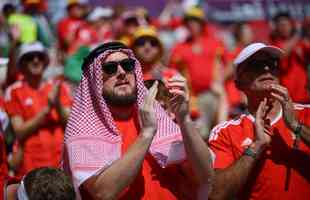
(130, 21)
(149, 51)
(23, 22)
(38, 110)
(68, 26)
(198, 58)
(42, 183)
(243, 36)
(119, 142)
(303, 48)
(97, 30)
(12, 73)
(266, 156)
(286, 37)
(4, 38)
(36, 9)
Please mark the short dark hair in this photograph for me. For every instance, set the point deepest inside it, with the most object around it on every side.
(281, 15)
(48, 183)
(8, 9)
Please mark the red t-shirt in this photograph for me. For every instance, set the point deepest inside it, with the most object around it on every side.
(43, 147)
(269, 178)
(68, 27)
(86, 35)
(197, 61)
(293, 75)
(153, 182)
(303, 52)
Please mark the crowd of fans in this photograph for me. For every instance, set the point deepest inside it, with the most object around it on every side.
(44, 67)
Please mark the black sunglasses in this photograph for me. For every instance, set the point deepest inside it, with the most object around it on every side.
(142, 41)
(258, 66)
(111, 67)
(31, 56)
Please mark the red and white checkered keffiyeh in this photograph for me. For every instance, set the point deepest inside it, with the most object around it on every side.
(92, 140)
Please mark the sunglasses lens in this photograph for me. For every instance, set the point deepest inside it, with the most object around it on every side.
(154, 42)
(259, 65)
(32, 56)
(110, 67)
(128, 64)
(140, 42)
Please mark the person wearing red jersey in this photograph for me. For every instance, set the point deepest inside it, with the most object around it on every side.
(38, 110)
(198, 59)
(119, 142)
(97, 30)
(149, 50)
(68, 26)
(243, 36)
(264, 154)
(303, 48)
(284, 36)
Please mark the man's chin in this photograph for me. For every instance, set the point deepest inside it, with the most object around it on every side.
(120, 99)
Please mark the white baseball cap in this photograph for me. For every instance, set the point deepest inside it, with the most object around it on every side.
(249, 51)
(27, 48)
(100, 12)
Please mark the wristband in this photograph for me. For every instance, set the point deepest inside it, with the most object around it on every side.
(297, 133)
(297, 130)
(249, 152)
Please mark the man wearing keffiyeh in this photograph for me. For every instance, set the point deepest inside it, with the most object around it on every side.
(119, 142)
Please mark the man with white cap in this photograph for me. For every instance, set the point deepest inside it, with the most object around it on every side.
(264, 154)
(38, 110)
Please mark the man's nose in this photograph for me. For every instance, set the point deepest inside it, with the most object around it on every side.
(267, 68)
(120, 70)
(147, 44)
(36, 59)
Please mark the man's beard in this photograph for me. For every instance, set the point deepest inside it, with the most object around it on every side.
(120, 100)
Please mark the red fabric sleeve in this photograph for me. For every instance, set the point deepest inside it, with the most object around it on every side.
(65, 95)
(221, 148)
(12, 103)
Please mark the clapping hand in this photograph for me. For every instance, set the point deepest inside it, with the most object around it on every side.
(53, 96)
(147, 115)
(262, 127)
(179, 103)
(281, 94)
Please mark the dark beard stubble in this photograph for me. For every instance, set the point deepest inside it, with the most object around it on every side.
(120, 100)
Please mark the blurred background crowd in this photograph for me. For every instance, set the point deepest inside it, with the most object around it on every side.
(43, 43)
